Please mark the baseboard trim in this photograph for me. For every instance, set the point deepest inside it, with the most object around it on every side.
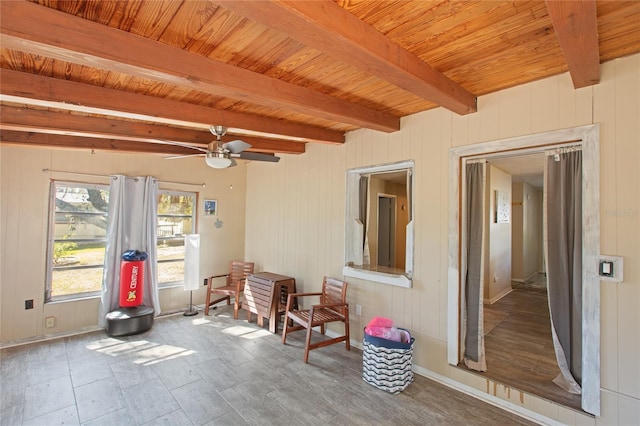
(530, 277)
(47, 337)
(498, 297)
(63, 334)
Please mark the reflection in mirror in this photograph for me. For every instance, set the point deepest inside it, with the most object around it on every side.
(379, 227)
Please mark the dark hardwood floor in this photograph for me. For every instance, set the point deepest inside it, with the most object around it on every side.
(519, 347)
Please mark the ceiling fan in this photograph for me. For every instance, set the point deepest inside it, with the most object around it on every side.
(222, 155)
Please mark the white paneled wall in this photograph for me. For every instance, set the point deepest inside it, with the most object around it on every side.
(295, 220)
(24, 205)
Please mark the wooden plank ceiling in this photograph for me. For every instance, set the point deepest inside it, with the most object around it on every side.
(153, 76)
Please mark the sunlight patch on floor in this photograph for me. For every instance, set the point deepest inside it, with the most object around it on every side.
(200, 321)
(142, 351)
(245, 332)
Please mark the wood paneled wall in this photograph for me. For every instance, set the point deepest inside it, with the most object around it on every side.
(24, 204)
(295, 221)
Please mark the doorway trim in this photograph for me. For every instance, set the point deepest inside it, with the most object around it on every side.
(588, 137)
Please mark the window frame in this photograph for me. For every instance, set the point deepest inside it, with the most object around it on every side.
(194, 196)
(353, 228)
(51, 240)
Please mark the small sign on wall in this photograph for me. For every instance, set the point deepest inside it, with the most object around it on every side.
(502, 212)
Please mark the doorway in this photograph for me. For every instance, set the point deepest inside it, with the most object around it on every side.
(517, 326)
(587, 137)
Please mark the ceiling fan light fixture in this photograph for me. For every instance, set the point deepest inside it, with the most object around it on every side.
(218, 160)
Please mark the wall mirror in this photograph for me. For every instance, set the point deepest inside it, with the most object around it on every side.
(379, 223)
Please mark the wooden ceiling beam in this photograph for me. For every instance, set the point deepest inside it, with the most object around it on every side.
(52, 140)
(40, 30)
(32, 89)
(55, 122)
(576, 26)
(270, 146)
(325, 26)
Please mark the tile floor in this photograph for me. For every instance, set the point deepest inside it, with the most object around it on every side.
(213, 371)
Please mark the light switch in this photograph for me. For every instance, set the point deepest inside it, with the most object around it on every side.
(610, 268)
(606, 268)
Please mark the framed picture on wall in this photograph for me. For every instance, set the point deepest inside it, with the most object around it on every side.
(210, 207)
(501, 207)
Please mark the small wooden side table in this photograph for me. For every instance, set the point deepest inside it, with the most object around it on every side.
(265, 294)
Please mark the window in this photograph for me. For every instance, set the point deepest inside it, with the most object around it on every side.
(78, 238)
(176, 217)
(379, 224)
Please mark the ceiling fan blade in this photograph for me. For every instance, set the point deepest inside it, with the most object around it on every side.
(257, 156)
(177, 157)
(184, 145)
(236, 146)
(233, 163)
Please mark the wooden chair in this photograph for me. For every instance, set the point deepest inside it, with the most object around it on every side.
(332, 308)
(234, 285)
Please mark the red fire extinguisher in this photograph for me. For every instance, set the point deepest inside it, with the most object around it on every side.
(132, 278)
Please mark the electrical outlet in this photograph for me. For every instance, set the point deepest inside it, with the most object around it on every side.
(28, 304)
(50, 322)
(358, 309)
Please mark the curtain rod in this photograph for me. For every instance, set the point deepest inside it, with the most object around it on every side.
(107, 176)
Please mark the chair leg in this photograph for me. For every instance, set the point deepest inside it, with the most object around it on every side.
(307, 344)
(284, 331)
(346, 330)
(208, 300)
(347, 340)
(236, 307)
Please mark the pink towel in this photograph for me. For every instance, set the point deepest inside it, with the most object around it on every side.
(383, 327)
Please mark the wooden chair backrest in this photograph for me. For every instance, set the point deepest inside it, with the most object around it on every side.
(238, 270)
(334, 291)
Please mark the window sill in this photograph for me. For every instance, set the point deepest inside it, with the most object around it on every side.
(397, 280)
(72, 298)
